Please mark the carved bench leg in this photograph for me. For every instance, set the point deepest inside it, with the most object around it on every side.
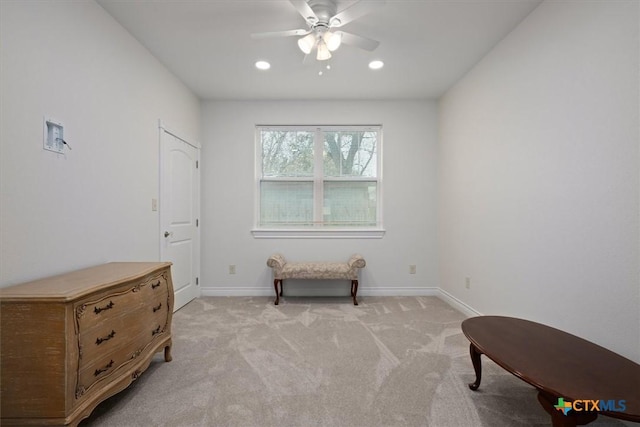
(354, 291)
(275, 285)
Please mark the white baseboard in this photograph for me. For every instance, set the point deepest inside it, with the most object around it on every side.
(459, 305)
(309, 291)
(313, 291)
(398, 291)
(255, 291)
(236, 291)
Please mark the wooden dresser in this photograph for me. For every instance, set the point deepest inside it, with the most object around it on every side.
(69, 342)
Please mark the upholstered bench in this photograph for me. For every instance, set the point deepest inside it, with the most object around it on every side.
(315, 270)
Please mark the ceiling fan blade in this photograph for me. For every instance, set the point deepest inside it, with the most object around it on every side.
(359, 41)
(287, 33)
(355, 11)
(304, 9)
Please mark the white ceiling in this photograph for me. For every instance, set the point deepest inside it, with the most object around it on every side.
(427, 45)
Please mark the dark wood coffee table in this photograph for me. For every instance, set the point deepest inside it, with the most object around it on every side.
(558, 365)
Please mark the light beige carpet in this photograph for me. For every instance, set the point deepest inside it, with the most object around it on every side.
(391, 361)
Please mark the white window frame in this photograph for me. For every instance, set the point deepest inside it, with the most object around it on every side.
(319, 231)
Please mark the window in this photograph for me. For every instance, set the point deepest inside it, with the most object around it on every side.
(318, 179)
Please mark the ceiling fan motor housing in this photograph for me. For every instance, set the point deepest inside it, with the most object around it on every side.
(324, 10)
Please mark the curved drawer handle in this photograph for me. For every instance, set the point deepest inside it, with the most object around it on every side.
(156, 285)
(97, 310)
(105, 369)
(107, 338)
(156, 331)
(157, 308)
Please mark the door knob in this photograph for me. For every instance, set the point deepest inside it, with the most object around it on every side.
(167, 234)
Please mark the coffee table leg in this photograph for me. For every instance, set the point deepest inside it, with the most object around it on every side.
(477, 366)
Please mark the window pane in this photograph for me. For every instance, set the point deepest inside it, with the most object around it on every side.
(350, 153)
(287, 153)
(286, 203)
(350, 203)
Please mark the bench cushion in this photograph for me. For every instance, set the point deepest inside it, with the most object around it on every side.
(315, 270)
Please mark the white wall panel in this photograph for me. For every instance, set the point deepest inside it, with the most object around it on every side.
(539, 175)
(70, 60)
(409, 174)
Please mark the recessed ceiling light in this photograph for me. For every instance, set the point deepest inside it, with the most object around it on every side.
(376, 65)
(263, 65)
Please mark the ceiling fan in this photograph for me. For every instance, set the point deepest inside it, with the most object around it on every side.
(322, 18)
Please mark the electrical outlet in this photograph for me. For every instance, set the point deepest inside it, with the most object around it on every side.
(154, 205)
(412, 269)
(467, 282)
(232, 269)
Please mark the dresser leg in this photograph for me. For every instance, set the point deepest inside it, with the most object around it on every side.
(167, 354)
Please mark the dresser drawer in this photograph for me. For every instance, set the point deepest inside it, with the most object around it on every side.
(106, 363)
(115, 354)
(157, 312)
(97, 369)
(107, 336)
(97, 313)
(128, 321)
(155, 285)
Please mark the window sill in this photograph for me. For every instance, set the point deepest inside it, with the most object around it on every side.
(276, 233)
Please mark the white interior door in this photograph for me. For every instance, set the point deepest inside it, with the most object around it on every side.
(179, 212)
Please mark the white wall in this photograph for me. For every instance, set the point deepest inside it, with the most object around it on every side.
(70, 60)
(538, 169)
(409, 176)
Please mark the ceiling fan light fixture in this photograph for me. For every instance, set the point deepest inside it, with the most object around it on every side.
(332, 40)
(307, 43)
(323, 51)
